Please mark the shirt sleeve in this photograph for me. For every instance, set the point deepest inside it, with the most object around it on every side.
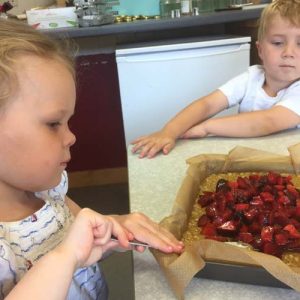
(291, 98)
(235, 89)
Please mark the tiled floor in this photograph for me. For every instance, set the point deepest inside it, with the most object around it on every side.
(118, 268)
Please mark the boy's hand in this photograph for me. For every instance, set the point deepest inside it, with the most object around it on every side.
(145, 230)
(197, 131)
(150, 145)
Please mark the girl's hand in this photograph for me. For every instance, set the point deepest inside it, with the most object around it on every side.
(145, 230)
(89, 237)
(150, 145)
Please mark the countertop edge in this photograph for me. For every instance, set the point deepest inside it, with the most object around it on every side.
(143, 26)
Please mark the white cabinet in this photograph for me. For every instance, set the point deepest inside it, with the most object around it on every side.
(158, 80)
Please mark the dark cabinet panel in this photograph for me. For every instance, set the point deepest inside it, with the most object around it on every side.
(97, 122)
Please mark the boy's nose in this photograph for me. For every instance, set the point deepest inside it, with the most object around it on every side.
(288, 51)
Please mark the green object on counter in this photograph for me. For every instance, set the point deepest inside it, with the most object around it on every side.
(168, 8)
(137, 7)
(221, 3)
(203, 5)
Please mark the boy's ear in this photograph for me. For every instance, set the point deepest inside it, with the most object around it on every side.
(258, 47)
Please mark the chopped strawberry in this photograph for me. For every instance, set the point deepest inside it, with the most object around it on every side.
(245, 237)
(293, 232)
(203, 220)
(267, 233)
(281, 238)
(228, 228)
(241, 206)
(267, 197)
(209, 230)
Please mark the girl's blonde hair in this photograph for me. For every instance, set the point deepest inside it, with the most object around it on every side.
(18, 39)
(287, 9)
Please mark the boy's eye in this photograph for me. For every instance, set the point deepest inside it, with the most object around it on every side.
(277, 43)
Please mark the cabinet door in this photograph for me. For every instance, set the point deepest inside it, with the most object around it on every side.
(97, 122)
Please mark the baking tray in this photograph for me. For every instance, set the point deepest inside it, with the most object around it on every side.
(239, 273)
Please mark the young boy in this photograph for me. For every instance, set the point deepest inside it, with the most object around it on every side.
(268, 95)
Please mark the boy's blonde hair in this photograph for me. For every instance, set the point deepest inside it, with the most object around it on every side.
(287, 9)
(18, 39)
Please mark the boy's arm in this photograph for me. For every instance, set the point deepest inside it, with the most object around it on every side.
(250, 124)
(196, 112)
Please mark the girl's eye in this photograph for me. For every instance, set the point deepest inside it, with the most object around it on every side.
(54, 125)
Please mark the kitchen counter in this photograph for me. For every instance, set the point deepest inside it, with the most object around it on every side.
(160, 25)
(153, 184)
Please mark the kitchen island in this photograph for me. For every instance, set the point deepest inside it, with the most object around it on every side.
(153, 184)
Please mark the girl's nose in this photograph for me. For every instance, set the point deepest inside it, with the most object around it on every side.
(70, 138)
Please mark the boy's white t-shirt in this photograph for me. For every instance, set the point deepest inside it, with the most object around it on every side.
(24, 242)
(246, 90)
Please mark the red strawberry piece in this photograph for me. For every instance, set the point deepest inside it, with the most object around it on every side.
(256, 201)
(250, 214)
(203, 220)
(221, 203)
(292, 192)
(222, 185)
(281, 218)
(228, 228)
(218, 220)
(293, 232)
(268, 189)
(272, 178)
(209, 230)
(211, 211)
(243, 183)
(279, 187)
(244, 228)
(229, 197)
(245, 237)
(267, 233)
(297, 211)
(284, 200)
(295, 223)
(254, 227)
(257, 243)
(233, 184)
(294, 245)
(241, 206)
(206, 198)
(272, 248)
(267, 197)
(227, 214)
(281, 238)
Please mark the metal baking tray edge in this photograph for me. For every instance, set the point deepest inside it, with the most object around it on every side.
(239, 273)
